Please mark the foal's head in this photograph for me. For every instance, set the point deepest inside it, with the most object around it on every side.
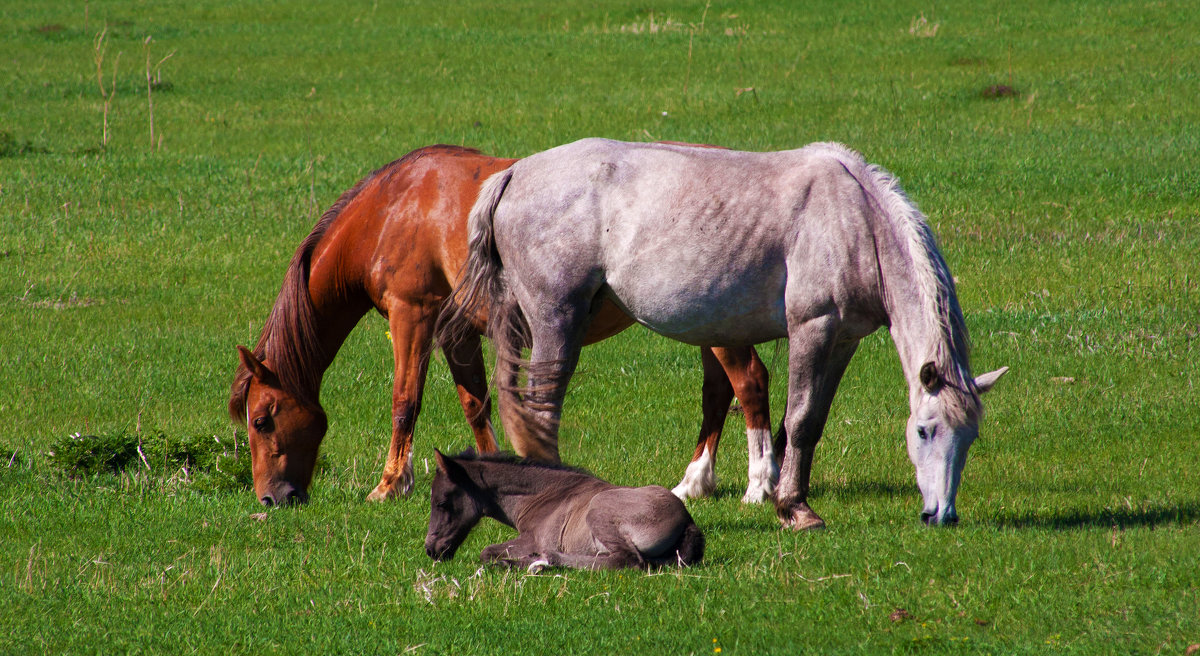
(455, 508)
(285, 433)
(943, 425)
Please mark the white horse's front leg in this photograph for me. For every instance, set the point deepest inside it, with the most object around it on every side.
(763, 470)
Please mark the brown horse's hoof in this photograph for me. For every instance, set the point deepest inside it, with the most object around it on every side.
(381, 493)
(801, 518)
(393, 487)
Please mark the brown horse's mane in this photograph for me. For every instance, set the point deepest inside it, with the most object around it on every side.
(289, 342)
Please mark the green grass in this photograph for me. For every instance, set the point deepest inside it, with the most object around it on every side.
(129, 270)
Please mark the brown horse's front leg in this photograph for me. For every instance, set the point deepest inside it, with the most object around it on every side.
(412, 334)
(730, 372)
(465, 359)
(623, 559)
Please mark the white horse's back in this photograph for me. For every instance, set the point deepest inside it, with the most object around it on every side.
(694, 243)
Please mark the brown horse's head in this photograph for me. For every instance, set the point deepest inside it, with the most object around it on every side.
(285, 432)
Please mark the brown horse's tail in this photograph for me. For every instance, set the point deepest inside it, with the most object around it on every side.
(690, 548)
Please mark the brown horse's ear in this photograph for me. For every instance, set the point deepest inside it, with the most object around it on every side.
(929, 377)
(253, 364)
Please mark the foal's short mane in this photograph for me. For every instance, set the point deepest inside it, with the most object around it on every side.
(944, 322)
(510, 458)
(289, 343)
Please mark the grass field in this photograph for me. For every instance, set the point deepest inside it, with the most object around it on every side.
(146, 228)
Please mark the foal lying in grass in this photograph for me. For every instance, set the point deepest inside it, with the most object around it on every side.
(565, 517)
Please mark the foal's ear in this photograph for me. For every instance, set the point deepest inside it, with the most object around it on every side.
(929, 377)
(253, 364)
(455, 471)
(984, 382)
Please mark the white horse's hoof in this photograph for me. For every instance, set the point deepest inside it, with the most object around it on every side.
(537, 566)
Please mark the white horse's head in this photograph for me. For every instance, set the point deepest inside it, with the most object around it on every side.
(943, 425)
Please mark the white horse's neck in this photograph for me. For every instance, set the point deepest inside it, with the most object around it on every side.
(924, 317)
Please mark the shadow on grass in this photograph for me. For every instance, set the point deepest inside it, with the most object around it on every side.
(1159, 515)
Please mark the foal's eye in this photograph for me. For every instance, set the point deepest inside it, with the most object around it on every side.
(263, 424)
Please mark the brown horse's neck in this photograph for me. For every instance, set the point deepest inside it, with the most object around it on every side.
(320, 302)
(339, 299)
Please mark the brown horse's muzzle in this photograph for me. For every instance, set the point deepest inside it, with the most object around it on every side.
(283, 494)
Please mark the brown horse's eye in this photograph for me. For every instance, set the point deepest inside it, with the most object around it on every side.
(263, 424)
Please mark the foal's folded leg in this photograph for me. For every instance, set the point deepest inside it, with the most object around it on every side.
(518, 552)
(611, 560)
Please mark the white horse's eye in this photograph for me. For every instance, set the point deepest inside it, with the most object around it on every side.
(924, 433)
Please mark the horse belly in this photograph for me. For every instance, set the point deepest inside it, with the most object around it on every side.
(713, 308)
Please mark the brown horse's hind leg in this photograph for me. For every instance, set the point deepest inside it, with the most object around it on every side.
(465, 359)
(412, 334)
(749, 378)
(730, 372)
(700, 480)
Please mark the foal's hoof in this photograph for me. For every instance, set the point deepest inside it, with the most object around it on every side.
(801, 518)
(537, 566)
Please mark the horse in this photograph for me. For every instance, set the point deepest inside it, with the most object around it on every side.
(565, 517)
(726, 248)
(395, 242)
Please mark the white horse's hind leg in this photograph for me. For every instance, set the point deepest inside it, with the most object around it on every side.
(763, 472)
(699, 480)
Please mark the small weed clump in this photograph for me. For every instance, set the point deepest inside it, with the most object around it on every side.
(201, 459)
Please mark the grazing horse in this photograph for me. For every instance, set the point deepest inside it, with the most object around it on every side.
(565, 517)
(726, 248)
(396, 242)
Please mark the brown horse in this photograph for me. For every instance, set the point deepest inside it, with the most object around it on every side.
(396, 242)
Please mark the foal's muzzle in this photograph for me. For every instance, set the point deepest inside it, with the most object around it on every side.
(445, 553)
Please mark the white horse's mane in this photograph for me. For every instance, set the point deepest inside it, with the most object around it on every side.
(944, 322)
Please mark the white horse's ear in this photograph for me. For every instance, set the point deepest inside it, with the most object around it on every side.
(929, 377)
(985, 382)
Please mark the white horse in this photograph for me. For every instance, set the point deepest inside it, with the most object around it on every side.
(726, 248)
